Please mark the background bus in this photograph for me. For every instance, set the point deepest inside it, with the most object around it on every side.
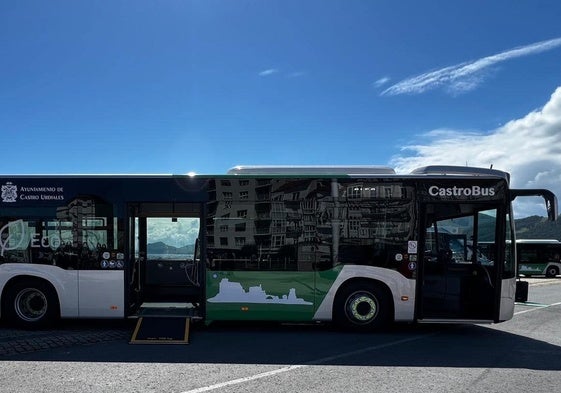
(357, 246)
(539, 257)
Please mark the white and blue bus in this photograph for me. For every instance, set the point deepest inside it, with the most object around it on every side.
(359, 246)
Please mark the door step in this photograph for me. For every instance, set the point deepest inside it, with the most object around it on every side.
(166, 309)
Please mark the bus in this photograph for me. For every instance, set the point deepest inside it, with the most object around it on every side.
(539, 257)
(357, 246)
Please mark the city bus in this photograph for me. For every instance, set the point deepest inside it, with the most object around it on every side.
(539, 257)
(357, 246)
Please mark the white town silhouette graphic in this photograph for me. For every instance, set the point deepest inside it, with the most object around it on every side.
(233, 292)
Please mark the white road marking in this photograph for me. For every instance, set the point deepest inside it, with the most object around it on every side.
(540, 307)
(307, 364)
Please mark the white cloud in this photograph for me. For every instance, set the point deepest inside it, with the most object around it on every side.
(382, 81)
(465, 76)
(289, 75)
(268, 72)
(528, 148)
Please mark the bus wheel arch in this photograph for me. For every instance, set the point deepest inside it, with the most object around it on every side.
(551, 271)
(30, 302)
(363, 305)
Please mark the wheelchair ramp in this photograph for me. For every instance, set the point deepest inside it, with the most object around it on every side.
(162, 324)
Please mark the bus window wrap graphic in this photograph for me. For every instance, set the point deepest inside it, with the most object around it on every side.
(357, 246)
(17, 238)
(12, 236)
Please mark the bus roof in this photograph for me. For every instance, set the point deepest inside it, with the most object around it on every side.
(459, 171)
(350, 170)
(310, 170)
(440, 171)
(538, 241)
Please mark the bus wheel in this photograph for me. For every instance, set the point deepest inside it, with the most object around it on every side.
(362, 307)
(31, 304)
(551, 271)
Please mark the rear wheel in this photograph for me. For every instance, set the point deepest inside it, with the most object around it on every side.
(31, 304)
(551, 271)
(362, 306)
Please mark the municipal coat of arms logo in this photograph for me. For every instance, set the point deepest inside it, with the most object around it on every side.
(9, 192)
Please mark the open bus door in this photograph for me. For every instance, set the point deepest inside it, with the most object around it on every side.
(162, 242)
(456, 282)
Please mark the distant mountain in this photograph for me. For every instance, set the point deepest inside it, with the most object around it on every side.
(162, 248)
(535, 227)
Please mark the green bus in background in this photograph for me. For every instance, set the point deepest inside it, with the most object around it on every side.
(539, 257)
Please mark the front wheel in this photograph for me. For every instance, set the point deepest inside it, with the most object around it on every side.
(362, 307)
(551, 271)
(31, 304)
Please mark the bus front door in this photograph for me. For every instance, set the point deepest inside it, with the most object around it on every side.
(455, 283)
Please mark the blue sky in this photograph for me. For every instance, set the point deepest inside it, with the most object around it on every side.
(179, 86)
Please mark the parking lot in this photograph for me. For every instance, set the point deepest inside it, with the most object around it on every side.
(523, 354)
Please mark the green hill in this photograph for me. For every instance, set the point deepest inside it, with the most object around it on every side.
(535, 227)
(162, 248)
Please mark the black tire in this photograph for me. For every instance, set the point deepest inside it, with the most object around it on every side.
(31, 304)
(551, 272)
(362, 306)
